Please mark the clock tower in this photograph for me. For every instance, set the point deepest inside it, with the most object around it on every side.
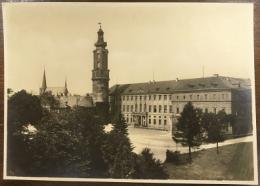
(100, 72)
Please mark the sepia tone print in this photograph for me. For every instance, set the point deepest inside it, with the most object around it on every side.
(138, 96)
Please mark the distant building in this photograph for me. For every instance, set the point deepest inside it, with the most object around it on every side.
(159, 104)
(100, 81)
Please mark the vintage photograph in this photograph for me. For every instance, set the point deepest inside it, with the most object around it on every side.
(130, 92)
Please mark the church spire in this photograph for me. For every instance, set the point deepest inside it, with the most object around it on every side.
(66, 88)
(100, 42)
(44, 84)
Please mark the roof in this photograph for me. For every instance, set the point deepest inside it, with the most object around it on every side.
(71, 101)
(184, 85)
(56, 90)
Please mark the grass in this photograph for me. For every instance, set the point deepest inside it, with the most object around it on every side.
(234, 162)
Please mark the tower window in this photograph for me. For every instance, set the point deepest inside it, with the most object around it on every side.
(177, 110)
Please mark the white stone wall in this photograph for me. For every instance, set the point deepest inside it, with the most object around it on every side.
(160, 110)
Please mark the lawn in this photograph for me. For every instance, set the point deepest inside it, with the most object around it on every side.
(234, 162)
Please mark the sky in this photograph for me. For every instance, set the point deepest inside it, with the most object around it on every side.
(146, 41)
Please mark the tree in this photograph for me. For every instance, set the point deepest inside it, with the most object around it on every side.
(189, 127)
(23, 109)
(49, 101)
(117, 150)
(120, 125)
(214, 125)
(147, 167)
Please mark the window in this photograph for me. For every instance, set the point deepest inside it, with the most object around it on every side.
(127, 98)
(123, 108)
(154, 121)
(141, 108)
(206, 110)
(154, 97)
(165, 108)
(215, 110)
(135, 107)
(170, 97)
(191, 97)
(206, 96)
(127, 108)
(144, 107)
(177, 110)
(223, 96)
(140, 98)
(184, 97)
(149, 97)
(150, 108)
(214, 96)
(154, 108)
(160, 121)
(160, 96)
(198, 97)
(144, 97)
(177, 97)
(165, 122)
(160, 108)
(149, 121)
(170, 108)
(224, 109)
(132, 108)
(165, 97)
(135, 98)
(131, 97)
(123, 98)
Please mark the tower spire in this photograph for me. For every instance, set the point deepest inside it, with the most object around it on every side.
(100, 42)
(66, 88)
(44, 84)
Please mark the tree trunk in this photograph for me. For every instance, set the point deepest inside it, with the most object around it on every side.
(217, 147)
(190, 153)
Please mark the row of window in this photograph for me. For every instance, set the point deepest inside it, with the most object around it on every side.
(158, 108)
(153, 120)
(151, 108)
(177, 97)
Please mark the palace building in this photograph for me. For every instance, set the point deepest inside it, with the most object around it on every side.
(158, 105)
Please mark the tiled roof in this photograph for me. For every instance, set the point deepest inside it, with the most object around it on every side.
(71, 101)
(184, 85)
(56, 90)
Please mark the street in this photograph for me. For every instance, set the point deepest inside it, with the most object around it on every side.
(159, 141)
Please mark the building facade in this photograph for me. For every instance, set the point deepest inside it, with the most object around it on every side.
(159, 104)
